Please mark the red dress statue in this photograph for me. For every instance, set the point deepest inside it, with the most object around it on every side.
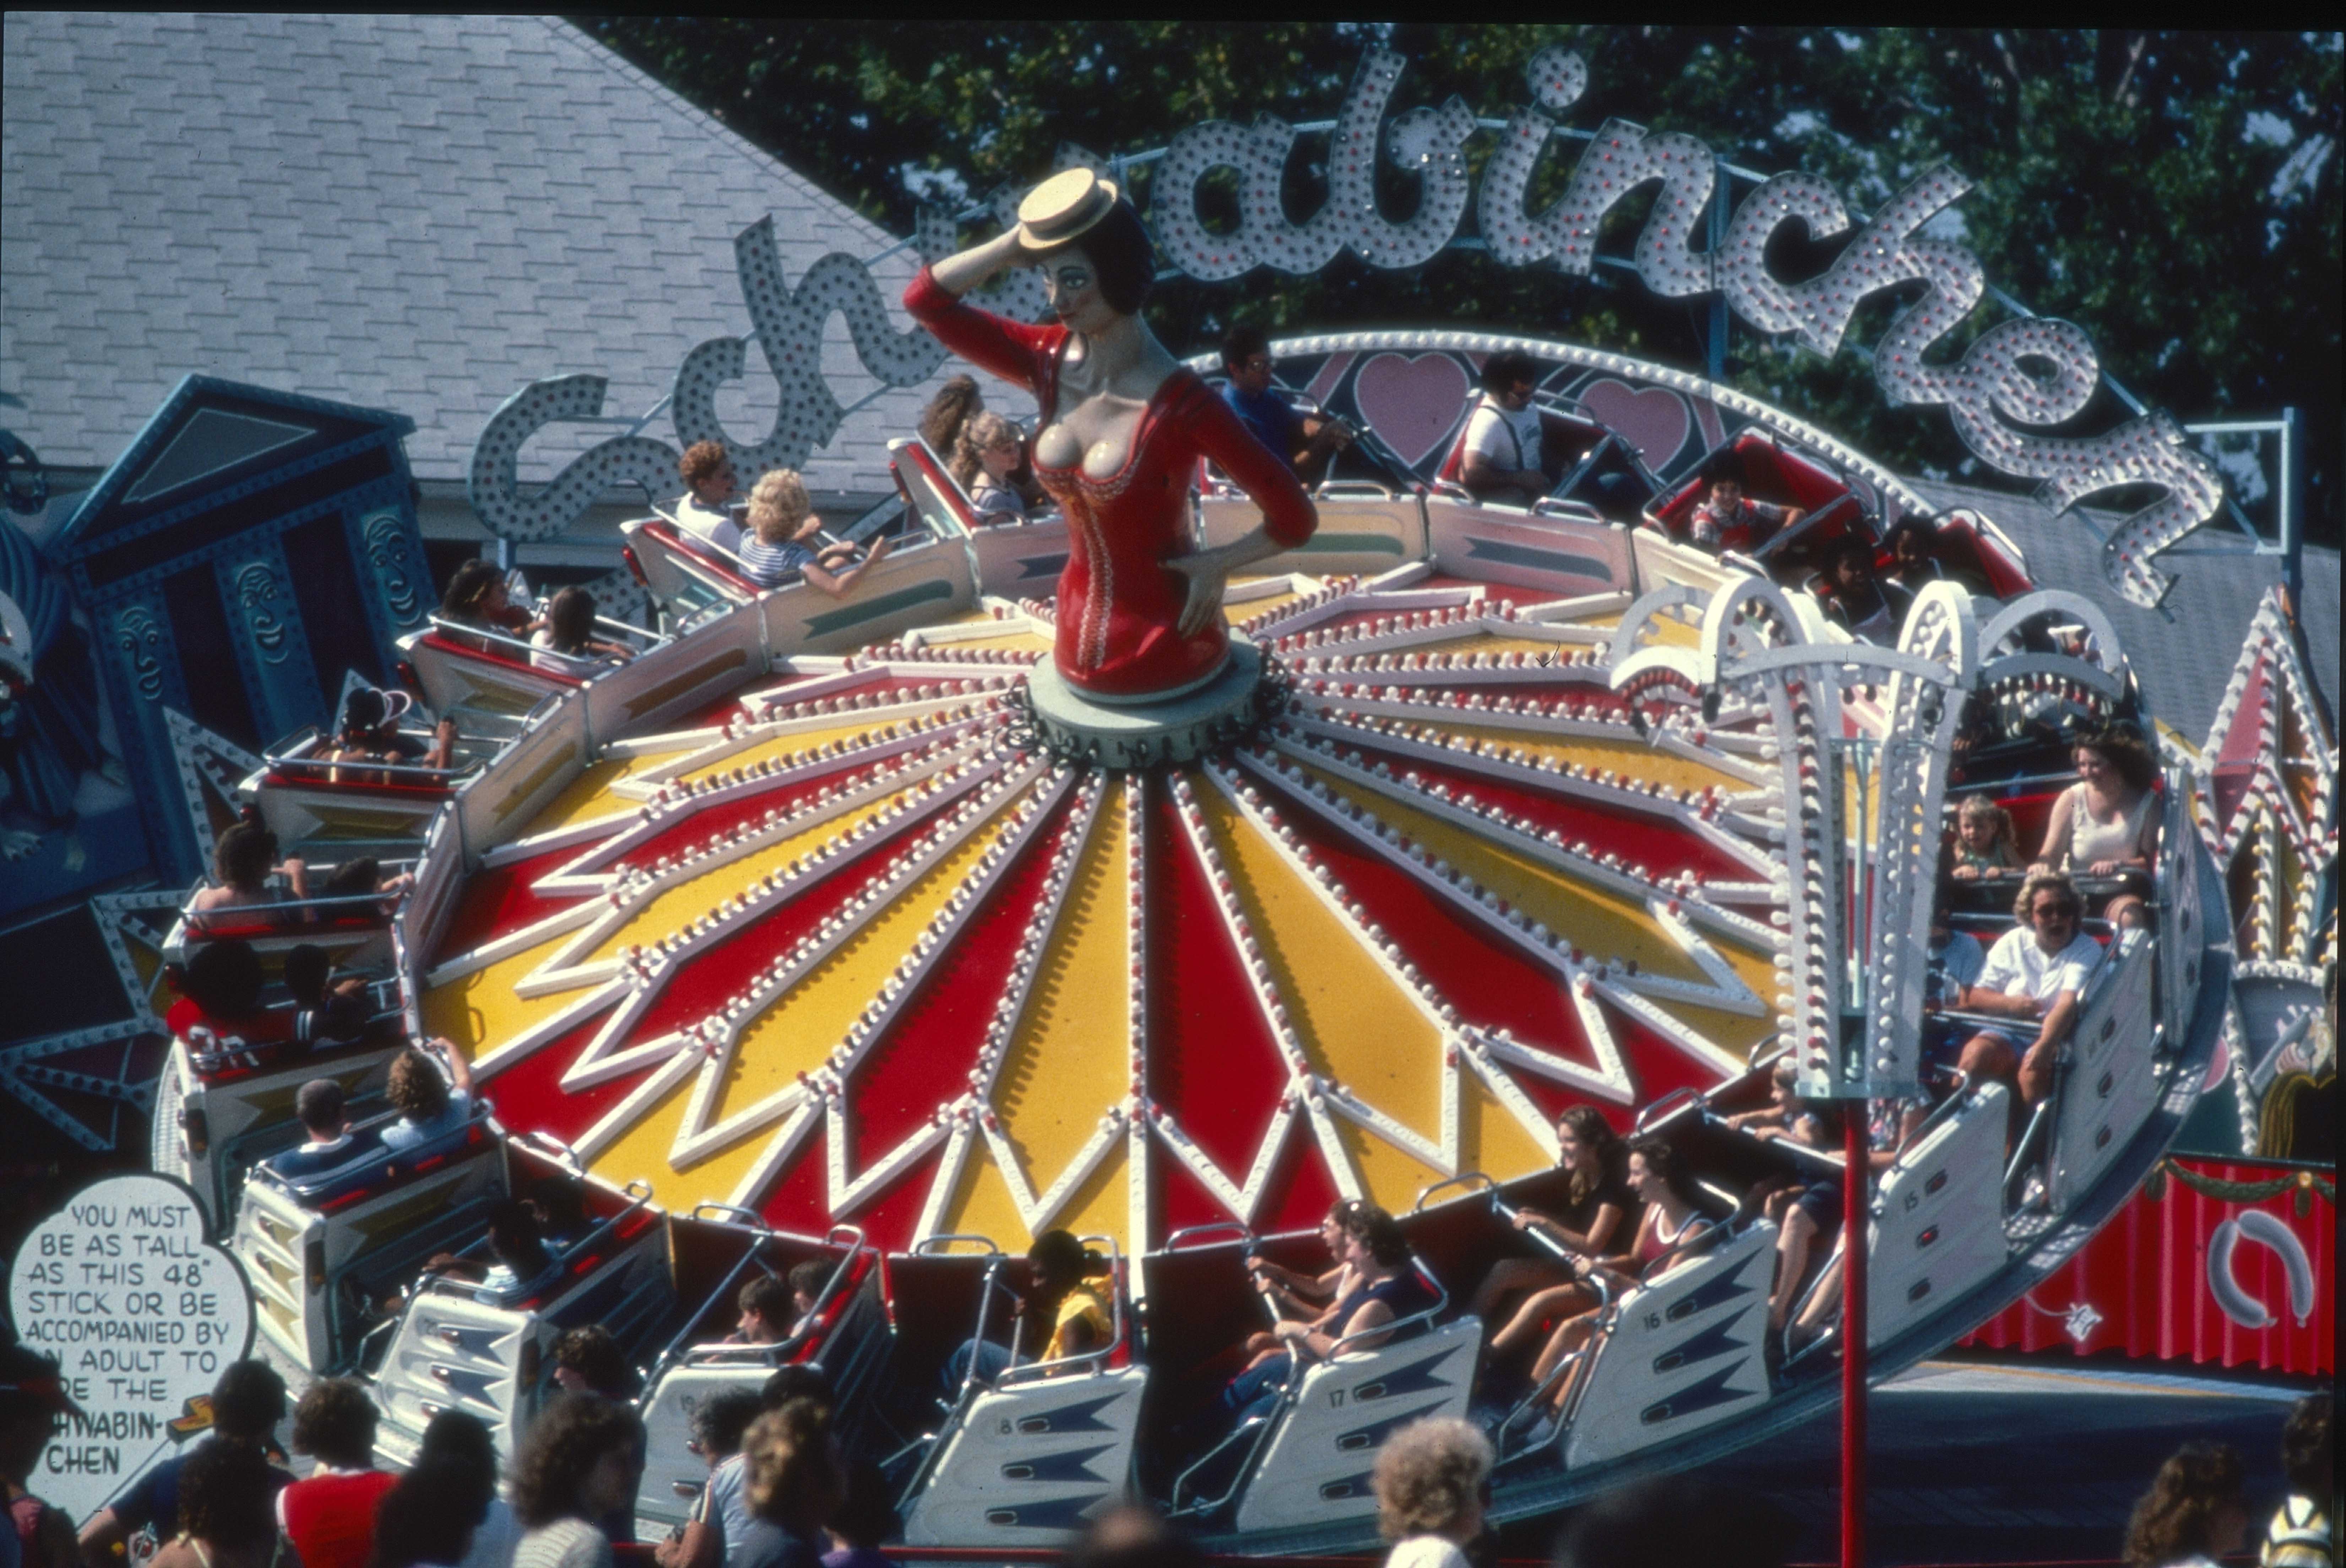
(1119, 604)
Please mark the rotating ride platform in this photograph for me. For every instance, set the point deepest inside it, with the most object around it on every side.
(828, 928)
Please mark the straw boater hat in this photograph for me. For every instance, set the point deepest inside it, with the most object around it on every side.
(1064, 206)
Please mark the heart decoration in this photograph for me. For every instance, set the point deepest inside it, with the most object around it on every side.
(1412, 402)
(1654, 419)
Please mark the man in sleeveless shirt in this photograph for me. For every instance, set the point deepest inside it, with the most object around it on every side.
(1503, 460)
(330, 1517)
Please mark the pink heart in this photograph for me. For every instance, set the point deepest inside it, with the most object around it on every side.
(1654, 419)
(1412, 402)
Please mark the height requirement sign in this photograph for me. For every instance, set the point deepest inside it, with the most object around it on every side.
(142, 1312)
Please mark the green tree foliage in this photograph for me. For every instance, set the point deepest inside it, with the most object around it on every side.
(2176, 194)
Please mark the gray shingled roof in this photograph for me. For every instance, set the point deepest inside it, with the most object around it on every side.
(417, 213)
(2185, 662)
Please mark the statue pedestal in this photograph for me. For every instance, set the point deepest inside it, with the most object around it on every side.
(1129, 735)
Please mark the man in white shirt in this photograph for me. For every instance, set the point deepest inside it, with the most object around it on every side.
(705, 512)
(320, 1107)
(1502, 458)
(2033, 976)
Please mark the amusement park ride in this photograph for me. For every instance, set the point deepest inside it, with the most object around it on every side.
(868, 929)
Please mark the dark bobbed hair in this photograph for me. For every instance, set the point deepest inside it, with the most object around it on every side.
(429, 1514)
(720, 1419)
(796, 1381)
(467, 588)
(1241, 343)
(566, 1442)
(307, 968)
(224, 978)
(243, 855)
(225, 1495)
(2123, 749)
(2178, 1515)
(769, 1297)
(334, 1422)
(1661, 1160)
(1121, 255)
(592, 1352)
(462, 1436)
(1380, 1232)
(249, 1400)
(1508, 366)
(1057, 1255)
(570, 619)
(319, 1104)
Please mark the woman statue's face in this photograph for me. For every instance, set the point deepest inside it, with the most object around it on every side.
(1075, 293)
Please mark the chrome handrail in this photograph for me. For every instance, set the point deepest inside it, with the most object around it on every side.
(1461, 1179)
(1238, 1227)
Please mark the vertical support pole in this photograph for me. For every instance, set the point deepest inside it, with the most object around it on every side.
(1855, 1182)
(505, 555)
(1720, 189)
(2293, 507)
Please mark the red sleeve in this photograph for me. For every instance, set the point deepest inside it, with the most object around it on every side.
(1011, 350)
(1262, 473)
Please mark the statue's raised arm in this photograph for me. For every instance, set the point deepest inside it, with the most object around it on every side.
(1122, 425)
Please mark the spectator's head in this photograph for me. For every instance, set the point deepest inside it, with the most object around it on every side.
(719, 1421)
(807, 1280)
(2306, 1453)
(578, 1461)
(1654, 1170)
(1678, 1519)
(1133, 1535)
(2116, 755)
(794, 1476)
(1510, 376)
(248, 1401)
(766, 1310)
(989, 443)
(307, 970)
(319, 1104)
(1059, 1260)
(370, 713)
(33, 1399)
(226, 1498)
(2195, 1504)
(796, 1382)
(476, 589)
(515, 1239)
(866, 1516)
(2050, 906)
(1379, 1234)
(224, 978)
(244, 856)
(429, 1514)
(1432, 1478)
(570, 619)
(941, 421)
(588, 1359)
(1246, 355)
(460, 1436)
(780, 509)
(708, 471)
(334, 1423)
(1587, 1146)
(1118, 262)
(417, 1089)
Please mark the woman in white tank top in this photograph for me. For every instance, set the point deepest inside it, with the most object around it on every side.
(2106, 824)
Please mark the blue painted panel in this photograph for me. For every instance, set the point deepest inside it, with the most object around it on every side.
(270, 651)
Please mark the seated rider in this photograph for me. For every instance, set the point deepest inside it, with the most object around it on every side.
(327, 1012)
(1913, 554)
(326, 1118)
(771, 1309)
(1065, 1294)
(1502, 458)
(1310, 1296)
(243, 861)
(706, 511)
(989, 452)
(1385, 1288)
(568, 636)
(517, 1252)
(2033, 976)
(429, 1107)
(1590, 1225)
(1728, 519)
(1306, 441)
(369, 732)
(1862, 604)
(782, 540)
(479, 596)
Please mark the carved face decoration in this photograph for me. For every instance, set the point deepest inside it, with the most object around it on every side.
(1072, 284)
(256, 596)
(140, 637)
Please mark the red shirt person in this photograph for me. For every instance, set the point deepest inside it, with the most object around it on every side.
(330, 1517)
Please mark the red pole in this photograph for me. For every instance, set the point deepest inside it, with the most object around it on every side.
(1857, 1174)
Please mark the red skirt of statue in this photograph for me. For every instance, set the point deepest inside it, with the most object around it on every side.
(1119, 605)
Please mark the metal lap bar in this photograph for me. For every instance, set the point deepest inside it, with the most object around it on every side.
(1441, 1304)
(1564, 1367)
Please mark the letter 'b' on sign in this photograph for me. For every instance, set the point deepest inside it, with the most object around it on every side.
(141, 1312)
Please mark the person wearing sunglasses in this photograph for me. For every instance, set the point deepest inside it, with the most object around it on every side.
(2033, 976)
